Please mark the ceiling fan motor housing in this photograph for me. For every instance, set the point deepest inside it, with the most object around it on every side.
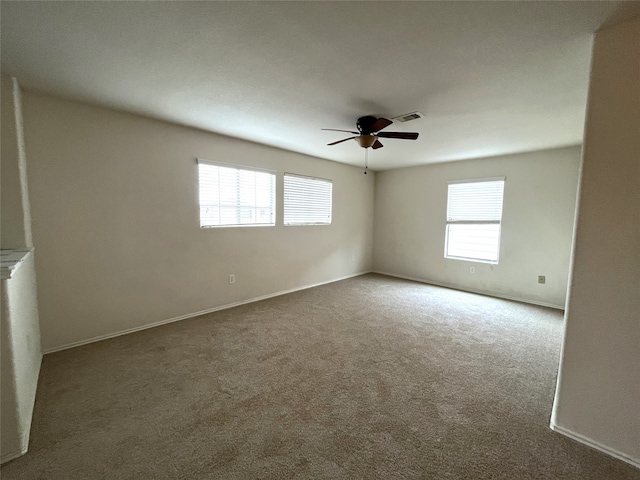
(365, 124)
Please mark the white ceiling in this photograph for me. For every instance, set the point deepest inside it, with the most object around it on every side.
(491, 77)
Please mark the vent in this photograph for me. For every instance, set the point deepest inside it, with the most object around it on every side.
(407, 117)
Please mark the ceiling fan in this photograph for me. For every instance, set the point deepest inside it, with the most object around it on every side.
(369, 131)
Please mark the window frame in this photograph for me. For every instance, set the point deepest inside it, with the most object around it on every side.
(238, 205)
(285, 216)
(478, 222)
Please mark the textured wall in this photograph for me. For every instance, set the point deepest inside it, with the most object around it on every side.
(15, 222)
(598, 396)
(116, 222)
(537, 224)
(21, 357)
(20, 332)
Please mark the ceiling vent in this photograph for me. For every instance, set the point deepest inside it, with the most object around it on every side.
(407, 117)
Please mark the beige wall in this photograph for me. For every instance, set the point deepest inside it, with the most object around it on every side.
(598, 395)
(15, 223)
(537, 224)
(116, 226)
(20, 334)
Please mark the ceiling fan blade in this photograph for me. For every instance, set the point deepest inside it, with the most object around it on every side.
(401, 135)
(340, 141)
(380, 124)
(377, 145)
(336, 130)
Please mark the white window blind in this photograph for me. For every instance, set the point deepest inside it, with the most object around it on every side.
(232, 195)
(474, 215)
(307, 200)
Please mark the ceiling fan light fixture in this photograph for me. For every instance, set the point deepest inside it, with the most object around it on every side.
(366, 141)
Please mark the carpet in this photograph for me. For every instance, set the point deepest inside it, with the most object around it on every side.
(367, 378)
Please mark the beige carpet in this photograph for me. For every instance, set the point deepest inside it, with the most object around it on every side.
(367, 378)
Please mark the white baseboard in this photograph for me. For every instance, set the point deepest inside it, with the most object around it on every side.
(595, 445)
(471, 290)
(191, 315)
(6, 457)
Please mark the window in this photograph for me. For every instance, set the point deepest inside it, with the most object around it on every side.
(474, 213)
(307, 200)
(233, 195)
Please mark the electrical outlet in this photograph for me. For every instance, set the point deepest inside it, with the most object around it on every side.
(232, 279)
(472, 269)
(542, 279)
